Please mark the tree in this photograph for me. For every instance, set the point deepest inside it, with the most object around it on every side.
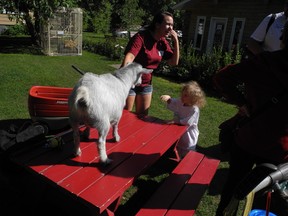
(131, 14)
(103, 18)
(162, 5)
(99, 15)
(33, 12)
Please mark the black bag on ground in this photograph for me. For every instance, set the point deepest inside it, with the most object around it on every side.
(15, 136)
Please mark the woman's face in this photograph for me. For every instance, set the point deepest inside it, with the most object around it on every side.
(166, 26)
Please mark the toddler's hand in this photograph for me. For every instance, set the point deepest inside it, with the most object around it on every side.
(165, 98)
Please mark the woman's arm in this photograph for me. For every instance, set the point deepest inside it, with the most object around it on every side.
(129, 58)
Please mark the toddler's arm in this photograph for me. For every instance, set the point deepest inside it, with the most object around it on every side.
(165, 98)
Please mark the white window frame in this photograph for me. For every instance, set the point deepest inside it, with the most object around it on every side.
(240, 36)
(196, 32)
(213, 22)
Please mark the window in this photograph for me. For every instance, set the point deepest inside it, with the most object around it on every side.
(199, 33)
(217, 32)
(236, 33)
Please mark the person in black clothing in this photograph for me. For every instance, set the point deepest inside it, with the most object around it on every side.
(263, 138)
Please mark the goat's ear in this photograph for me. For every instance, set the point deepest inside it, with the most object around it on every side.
(146, 71)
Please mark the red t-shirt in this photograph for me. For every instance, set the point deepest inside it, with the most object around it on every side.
(148, 52)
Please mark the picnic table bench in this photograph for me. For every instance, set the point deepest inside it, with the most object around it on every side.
(82, 186)
(182, 191)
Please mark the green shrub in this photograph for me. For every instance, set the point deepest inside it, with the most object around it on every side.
(199, 67)
(111, 47)
(16, 30)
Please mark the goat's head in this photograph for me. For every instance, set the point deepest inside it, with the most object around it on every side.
(139, 76)
(138, 71)
(135, 71)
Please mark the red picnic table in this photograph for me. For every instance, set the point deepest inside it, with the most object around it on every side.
(81, 185)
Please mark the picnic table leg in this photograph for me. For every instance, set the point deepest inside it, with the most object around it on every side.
(112, 207)
(177, 157)
(107, 212)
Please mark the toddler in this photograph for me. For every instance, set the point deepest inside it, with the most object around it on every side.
(186, 112)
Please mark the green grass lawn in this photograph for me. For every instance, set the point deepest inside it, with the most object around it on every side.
(19, 72)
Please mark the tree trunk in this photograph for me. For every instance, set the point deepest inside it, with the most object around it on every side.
(31, 29)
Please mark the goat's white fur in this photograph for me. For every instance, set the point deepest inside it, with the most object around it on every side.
(98, 101)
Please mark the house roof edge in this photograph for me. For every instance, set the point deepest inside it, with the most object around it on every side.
(183, 5)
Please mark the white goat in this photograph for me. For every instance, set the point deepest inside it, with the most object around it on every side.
(98, 101)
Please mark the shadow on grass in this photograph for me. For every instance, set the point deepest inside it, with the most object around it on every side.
(18, 45)
(214, 151)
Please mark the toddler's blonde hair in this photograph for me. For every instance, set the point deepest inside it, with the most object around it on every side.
(195, 92)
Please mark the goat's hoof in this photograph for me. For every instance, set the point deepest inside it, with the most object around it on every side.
(107, 162)
(77, 153)
(117, 138)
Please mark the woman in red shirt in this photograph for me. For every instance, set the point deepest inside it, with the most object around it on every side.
(148, 48)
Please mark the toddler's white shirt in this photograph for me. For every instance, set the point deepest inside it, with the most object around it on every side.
(186, 115)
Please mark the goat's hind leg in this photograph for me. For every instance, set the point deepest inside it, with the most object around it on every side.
(102, 145)
(115, 132)
(86, 133)
(76, 137)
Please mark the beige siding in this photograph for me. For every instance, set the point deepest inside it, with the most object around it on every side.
(253, 11)
(5, 21)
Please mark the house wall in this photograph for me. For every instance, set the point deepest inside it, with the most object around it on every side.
(253, 12)
(5, 22)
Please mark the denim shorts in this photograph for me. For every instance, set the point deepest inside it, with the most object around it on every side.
(141, 90)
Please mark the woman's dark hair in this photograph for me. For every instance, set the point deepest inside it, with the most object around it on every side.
(158, 18)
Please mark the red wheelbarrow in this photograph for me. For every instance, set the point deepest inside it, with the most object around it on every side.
(49, 105)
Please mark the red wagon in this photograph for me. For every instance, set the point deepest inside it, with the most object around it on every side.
(49, 105)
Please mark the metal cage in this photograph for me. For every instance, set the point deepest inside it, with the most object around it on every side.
(62, 34)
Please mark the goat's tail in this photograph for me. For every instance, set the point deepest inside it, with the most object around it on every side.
(82, 97)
